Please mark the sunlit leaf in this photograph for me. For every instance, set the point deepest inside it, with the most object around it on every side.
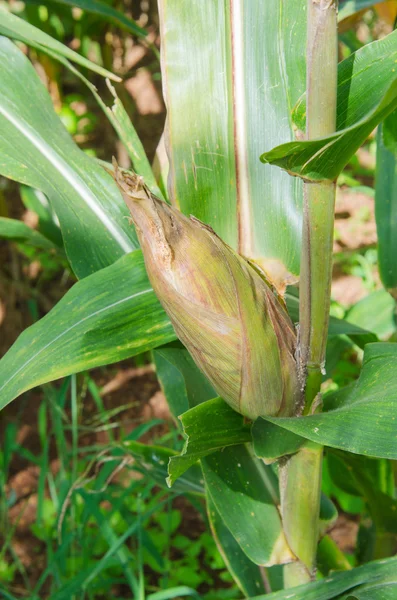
(104, 318)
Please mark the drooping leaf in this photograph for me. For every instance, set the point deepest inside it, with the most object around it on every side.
(366, 421)
(109, 316)
(12, 229)
(36, 150)
(367, 94)
(246, 574)
(386, 202)
(104, 11)
(244, 492)
(223, 103)
(208, 427)
(334, 585)
(15, 28)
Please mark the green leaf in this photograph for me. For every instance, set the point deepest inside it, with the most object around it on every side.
(106, 12)
(245, 573)
(244, 492)
(12, 229)
(223, 104)
(336, 584)
(360, 475)
(154, 460)
(367, 94)
(386, 201)
(36, 149)
(15, 28)
(381, 591)
(377, 311)
(366, 421)
(208, 427)
(109, 316)
(270, 442)
(183, 383)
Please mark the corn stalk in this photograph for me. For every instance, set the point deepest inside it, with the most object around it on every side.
(300, 476)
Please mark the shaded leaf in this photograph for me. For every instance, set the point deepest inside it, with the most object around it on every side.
(246, 574)
(183, 383)
(244, 492)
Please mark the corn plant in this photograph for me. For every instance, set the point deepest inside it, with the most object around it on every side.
(261, 120)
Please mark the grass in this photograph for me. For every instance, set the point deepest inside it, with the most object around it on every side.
(101, 524)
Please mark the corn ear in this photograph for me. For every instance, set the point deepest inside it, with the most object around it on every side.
(231, 321)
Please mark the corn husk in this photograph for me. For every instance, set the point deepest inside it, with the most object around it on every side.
(223, 310)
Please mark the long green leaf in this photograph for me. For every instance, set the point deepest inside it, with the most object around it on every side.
(36, 149)
(15, 28)
(367, 94)
(244, 493)
(386, 202)
(366, 421)
(246, 574)
(223, 104)
(386, 590)
(336, 584)
(105, 11)
(109, 316)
